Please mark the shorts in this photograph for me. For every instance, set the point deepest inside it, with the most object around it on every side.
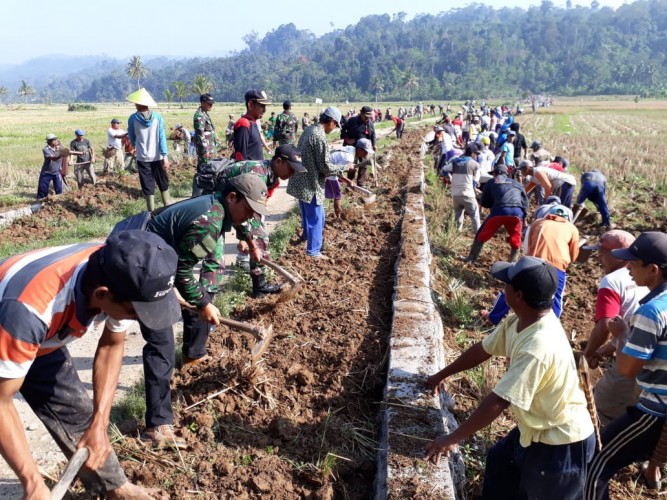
(332, 189)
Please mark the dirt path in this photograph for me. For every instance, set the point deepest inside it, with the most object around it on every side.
(45, 452)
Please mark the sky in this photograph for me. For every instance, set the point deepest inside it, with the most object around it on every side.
(178, 28)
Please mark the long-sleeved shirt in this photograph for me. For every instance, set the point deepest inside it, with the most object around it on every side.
(316, 159)
(146, 133)
(595, 177)
(464, 172)
(355, 129)
(206, 138)
(555, 240)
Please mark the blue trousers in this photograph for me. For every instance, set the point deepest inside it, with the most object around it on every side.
(500, 307)
(596, 194)
(538, 472)
(566, 192)
(312, 224)
(44, 182)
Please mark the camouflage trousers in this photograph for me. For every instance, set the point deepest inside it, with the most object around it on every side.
(256, 230)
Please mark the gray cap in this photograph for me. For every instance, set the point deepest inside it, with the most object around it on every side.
(50, 137)
(333, 112)
(365, 144)
(254, 189)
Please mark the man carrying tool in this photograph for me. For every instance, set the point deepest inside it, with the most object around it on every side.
(51, 297)
(546, 455)
(308, 187)
(594, 188)
(52, 168)
(206, 138)
(85, 158)
(195, 228)
(632, 437)
(346, 156)
(253, 236)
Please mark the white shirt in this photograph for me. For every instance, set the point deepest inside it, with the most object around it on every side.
(556, 178)
(112, 141)
(343, 156)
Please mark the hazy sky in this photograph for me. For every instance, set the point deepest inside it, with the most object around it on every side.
(121, 28)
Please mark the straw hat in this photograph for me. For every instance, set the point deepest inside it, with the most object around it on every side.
(142, 97)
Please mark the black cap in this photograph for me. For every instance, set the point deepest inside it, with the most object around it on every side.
(366, 110)
(650, 247)
(290, 153)
(258, 96)
(140, 267)
(206, 98)
(287, 105)
(536, 278)
(115, 120)
(500, 169)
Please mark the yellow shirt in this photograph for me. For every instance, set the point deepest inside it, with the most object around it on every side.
(541, 383)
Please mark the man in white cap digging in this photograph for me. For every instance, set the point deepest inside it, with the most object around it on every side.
(145, 129)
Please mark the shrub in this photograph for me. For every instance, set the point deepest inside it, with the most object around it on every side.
(81, 107)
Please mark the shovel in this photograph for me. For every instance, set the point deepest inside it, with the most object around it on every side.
(295, 283)
(75, 463)
(261, 335)
(369, 197)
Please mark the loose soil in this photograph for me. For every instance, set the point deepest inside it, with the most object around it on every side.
(480, 290)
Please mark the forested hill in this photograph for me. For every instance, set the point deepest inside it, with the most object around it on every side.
(472, 51)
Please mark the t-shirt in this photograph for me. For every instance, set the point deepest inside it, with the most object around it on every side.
(112, 141)
(51, 166)
(82, 146)
(618, 294)
(508, 149)
(556, 178)
(343, 156)
(555, 240)
(541, 382)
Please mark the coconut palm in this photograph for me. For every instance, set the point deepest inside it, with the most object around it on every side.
(169, 96)
(377, 86)
(135, 69)
(410, 82)
(25, 90)
(201, 85)
(180, 91)
(3, 92)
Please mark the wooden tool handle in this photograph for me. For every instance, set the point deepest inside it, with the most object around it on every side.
(280, 270)
(75, 463)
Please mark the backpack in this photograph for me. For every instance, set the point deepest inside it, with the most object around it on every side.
(207, 173)
(138, 221)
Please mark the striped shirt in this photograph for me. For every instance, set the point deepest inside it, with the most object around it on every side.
(42, 305)
(648, 341)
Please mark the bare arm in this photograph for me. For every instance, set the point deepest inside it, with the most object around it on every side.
(599, 336)
(474, 356)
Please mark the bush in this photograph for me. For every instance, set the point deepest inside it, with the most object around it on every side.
(81, 107)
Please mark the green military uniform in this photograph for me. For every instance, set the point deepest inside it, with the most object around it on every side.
(206, 138)
(286, 127)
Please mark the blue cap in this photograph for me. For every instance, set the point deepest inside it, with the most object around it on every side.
(140, 267)
(79, 132)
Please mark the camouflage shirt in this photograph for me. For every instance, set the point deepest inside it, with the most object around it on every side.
(315, 154)
(195, 228)
(285, 129)
(206, 139)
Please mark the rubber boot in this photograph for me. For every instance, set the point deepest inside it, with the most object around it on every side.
(475, 250)
(514, 255)
(150, 202)
(261, 287)
(166, 199)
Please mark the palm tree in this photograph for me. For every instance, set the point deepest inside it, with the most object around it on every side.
(180, 91)
(169, 96)
(136, 70)
(201, 85)
(25, 90)
(377, 86)
(410, 82)
(3, 92)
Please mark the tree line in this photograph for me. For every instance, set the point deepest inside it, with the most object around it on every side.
(475, 51)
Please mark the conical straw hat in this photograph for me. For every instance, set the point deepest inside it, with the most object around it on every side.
(142, 97)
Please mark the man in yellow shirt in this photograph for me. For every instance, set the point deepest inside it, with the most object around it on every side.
(547, 454)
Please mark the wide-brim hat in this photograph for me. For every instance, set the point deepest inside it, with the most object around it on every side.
(142, 97)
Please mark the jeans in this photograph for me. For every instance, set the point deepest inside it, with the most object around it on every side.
(566, 192)
(596, 193)
(538, 472)
(312, 224)
(44, 182)
(55, 393)
(500, 307)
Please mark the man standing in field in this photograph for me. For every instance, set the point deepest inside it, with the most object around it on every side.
(146, 133)
(248, 143)
(287, 125)
(51, 168)
(51, 297)
(546, 455)
(115, 136)
(206, 138)
(85, 153)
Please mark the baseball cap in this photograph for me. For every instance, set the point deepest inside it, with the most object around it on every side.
(525, 164)
(439, 129)
(115, 120)
(486, 141)
(50, 137)
(500, 169)
(333, 112)
(553, 199)
(79, 132)
(253, 188)
(140, 267)
(650, 246)
(290, 153)
(611, 240)
(560, 211)
(511, 133)
(365, 144)
(536, 145)
(206, 98)
(535, 277)
(366, 110)
(178, 125)
(258, 96)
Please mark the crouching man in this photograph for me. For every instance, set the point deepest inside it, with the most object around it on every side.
(51, 297)
(546, 455)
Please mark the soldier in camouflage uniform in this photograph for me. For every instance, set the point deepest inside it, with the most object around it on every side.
(195, 228)
(253, 234)
(286, 126)
(206, 139)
